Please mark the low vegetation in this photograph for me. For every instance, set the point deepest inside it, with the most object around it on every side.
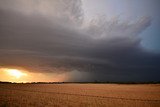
(79, 95)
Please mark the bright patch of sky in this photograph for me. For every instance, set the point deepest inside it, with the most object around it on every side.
(129, 10)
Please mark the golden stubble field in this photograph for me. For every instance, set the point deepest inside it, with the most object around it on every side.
(79, 95)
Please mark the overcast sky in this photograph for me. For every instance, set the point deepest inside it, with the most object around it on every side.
(88, 40)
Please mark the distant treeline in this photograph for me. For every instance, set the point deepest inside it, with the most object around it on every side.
(95, 82)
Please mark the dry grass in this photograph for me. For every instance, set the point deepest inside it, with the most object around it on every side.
(79, 95)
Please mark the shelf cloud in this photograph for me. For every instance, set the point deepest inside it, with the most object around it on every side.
(54, 36)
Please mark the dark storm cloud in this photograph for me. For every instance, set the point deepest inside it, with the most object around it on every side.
(52, 36)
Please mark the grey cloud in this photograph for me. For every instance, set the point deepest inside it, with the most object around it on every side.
(51, 36)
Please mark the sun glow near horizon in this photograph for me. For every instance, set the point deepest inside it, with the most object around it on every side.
(15, 73)
(12, 74)
(21, 75)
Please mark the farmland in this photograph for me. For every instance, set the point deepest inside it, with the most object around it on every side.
(80, 95)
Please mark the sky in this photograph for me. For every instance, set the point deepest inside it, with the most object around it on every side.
(79, 40)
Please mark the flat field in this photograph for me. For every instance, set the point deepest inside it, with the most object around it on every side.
(79, 95)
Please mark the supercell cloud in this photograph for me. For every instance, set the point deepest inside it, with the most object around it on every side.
(54, 36)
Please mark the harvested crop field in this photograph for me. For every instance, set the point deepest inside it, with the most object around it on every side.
(79, 95)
